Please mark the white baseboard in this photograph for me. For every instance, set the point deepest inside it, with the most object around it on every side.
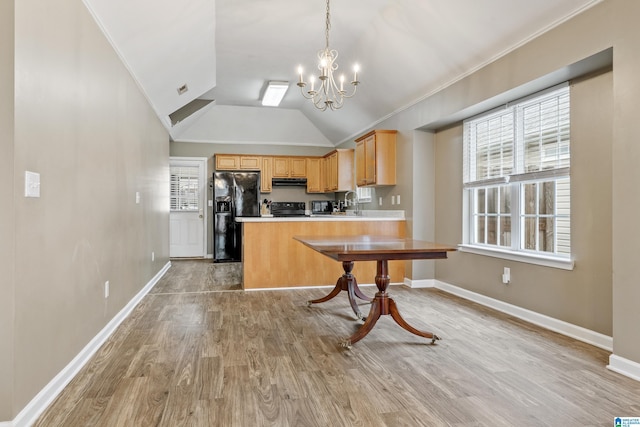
(585, 335)
(43, 399)
(623, 366)
(420, 283)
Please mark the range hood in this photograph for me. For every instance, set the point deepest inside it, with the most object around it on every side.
(279, 182)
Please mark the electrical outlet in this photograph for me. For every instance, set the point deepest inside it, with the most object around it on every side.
(398, 199)
(380, 201)
(106, 289)
(393, 200)
(506, 275)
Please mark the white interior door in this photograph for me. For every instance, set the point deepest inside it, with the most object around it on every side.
(187, 234)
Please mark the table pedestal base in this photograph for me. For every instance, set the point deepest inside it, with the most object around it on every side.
(383, 304)
(347, 282)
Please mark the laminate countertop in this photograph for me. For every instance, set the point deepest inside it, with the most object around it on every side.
(367, 215)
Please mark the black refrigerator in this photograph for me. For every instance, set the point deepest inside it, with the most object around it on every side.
(235, 194)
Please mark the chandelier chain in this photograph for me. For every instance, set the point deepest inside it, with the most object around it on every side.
(327, 25)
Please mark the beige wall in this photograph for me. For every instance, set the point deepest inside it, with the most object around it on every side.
(582, 296)
(193, 149)
(626, 179)
(7, 234)
(83, 124)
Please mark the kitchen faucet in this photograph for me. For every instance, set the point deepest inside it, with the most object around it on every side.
(355, 201)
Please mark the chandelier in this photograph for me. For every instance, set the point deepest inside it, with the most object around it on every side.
(329, 94)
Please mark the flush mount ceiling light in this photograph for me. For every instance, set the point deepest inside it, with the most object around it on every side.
(328, 95)
(274, 93)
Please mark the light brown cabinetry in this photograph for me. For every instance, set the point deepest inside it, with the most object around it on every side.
(290, 167)
(266, 173)
(338, 167)
(315, 175)
(376, 158)
(237, 162)
(288, 264)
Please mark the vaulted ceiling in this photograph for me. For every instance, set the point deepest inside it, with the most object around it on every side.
(227, 50)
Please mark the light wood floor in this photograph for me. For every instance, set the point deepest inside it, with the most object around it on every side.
(191, 356)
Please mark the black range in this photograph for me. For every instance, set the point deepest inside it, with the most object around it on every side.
(288, 209)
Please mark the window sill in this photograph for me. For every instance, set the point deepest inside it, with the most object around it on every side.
(563, 264)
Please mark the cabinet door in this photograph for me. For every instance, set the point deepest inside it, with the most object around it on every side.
(385, 158)
(314, 184)
(324, 174)
(344, 180)
(332, 172)
(250, 162)
(227, 162)
(266, 173)
(360, 163)
(281, 167)
(298, 167)
(370, 160)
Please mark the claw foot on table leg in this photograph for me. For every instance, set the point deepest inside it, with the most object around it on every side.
(434, 339)
(346, 344)
(309, 303)
(361, 317)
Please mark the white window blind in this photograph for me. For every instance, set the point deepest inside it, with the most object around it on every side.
(185, 186)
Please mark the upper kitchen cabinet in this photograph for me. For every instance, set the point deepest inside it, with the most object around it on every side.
(376, 158)
(237, 162)
(290, 167)
(338, 167)
(266, 173)
(315, 175)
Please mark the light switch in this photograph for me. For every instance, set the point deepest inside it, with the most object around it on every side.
(398, 199)
(137, 197)
(31, 184)
(393, 200)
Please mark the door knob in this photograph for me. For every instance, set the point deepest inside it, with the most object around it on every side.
(200, 216)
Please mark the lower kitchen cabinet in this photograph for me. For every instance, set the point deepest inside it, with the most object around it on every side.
(288, 263)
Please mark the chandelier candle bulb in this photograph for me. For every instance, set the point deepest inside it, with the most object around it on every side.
(342, 83)
(300, 72)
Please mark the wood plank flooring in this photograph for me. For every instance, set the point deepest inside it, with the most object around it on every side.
(196, 354)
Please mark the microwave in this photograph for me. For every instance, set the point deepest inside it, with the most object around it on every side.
(319, 207)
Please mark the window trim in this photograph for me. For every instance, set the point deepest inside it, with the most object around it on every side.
(520, 256)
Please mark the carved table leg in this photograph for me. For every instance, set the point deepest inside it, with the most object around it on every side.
(346, 282)
(383, 304)
(400, 321)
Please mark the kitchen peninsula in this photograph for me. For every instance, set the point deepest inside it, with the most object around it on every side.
(273, 259)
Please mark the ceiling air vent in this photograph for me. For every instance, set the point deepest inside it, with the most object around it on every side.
(182, 89)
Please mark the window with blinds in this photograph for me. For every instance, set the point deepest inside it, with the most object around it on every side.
(516, 176)
(185, 185)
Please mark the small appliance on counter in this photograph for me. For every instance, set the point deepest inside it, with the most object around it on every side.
(322, 207)
(288, 209)
(265, 208)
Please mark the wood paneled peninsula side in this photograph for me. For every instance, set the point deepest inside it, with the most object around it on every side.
(273, 259)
